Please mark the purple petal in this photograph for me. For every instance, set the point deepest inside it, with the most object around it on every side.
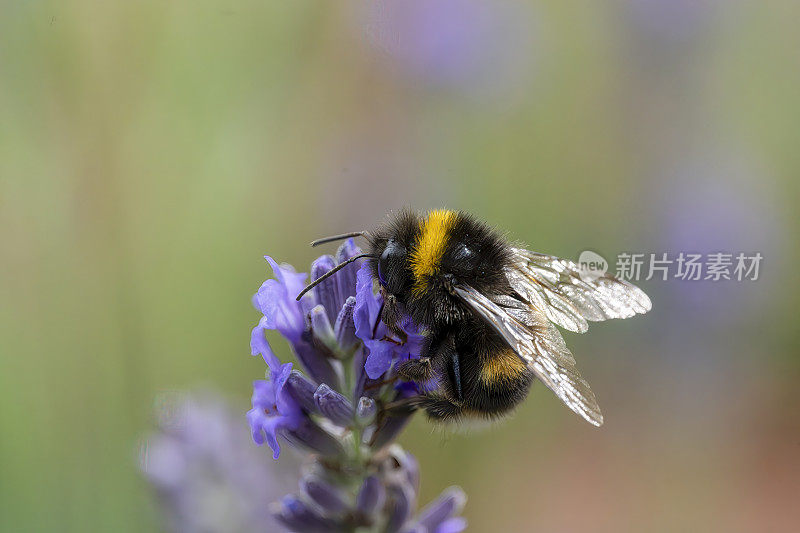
(254, 301)
(297, 516)
(273, 410)
(265, 429)
(286, 275)
(271, 430)
(402, 500)
(379, 359)
(259, 345)
(415, 341)
(264, 394)
(256, 419)
(324, 494)
(287, 406)
(281, 312)
(267, 298)
(457, 524)
(276, 300)
(371, 496)
(448, 504)
(367, 303)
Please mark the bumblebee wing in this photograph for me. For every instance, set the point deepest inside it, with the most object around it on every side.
(539, 344)
(568, 296)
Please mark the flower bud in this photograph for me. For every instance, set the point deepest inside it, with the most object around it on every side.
(327, 291)
(334, 405)
(324, 494)
(302, 390)
(401, 504)
(447, 505)
(371, 496)
(309, 434)
(297, 516)
(366, 411)
(346, 277)
(345, 328)
(321, 328)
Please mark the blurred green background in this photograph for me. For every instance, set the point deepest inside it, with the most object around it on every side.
(151, 152)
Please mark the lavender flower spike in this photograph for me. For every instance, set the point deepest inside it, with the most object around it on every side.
(356, 477)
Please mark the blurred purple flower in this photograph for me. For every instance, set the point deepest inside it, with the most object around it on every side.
(205, 471)
(710, 200)
(718, 203)
(466, 45)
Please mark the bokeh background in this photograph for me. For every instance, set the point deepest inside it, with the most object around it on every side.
(151, 152)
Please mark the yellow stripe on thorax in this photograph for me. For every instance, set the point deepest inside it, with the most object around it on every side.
(434, 231)
(501, 366)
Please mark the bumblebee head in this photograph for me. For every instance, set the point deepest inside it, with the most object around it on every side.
(420, 258)
(388, 248)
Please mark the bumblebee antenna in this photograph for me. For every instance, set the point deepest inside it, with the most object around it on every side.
(330, 273)
(337, 237)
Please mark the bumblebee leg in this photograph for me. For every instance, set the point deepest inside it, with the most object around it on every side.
(379, 384)
(440, 408)
(435, 357)
(436, 406)
(390, 315)
(404, 406)
(417, 370)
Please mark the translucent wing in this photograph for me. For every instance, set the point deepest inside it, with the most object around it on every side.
(540, 345)
(568, 295)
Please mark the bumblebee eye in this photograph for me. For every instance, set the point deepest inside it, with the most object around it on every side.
(391, 257)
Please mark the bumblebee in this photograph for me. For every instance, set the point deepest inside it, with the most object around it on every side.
(490, 310)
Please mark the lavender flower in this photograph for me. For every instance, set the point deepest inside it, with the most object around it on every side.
(340, 411)
(205, 471)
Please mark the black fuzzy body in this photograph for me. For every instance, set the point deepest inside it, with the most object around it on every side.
(461, 346)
